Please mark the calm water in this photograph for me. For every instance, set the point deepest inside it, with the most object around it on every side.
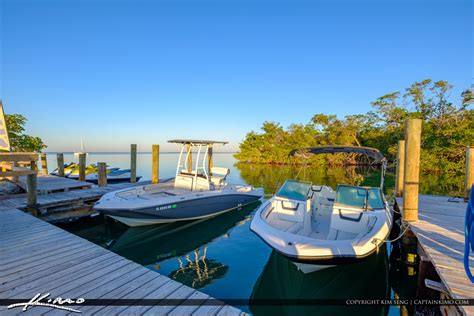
(222, 258)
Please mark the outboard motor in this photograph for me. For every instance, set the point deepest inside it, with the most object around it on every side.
(469, 234)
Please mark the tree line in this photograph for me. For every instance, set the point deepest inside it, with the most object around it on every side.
(448, 127)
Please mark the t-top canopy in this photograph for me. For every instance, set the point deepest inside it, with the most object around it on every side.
(196, 142)
(373, 153)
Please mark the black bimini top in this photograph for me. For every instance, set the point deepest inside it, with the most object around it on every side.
(196, 142)
(373, 153)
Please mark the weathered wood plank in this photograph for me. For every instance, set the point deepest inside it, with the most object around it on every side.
(79, 269)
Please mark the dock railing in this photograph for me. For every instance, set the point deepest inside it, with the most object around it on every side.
(10, 168)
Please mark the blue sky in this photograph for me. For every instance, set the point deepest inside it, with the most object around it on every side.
(122, 72)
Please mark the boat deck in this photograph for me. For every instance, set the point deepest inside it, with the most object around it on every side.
(440, 232)
(37, 257)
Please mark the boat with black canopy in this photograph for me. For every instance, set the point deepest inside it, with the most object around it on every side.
(318, 227)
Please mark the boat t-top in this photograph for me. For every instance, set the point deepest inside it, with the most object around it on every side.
(193, 193)
(317, 227)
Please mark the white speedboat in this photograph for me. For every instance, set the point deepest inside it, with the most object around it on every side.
(317, 227)
(192, 194)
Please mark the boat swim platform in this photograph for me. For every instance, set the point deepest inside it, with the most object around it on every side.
(38, 257)
(440, 233)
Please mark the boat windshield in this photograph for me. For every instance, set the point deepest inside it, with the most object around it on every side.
(357, 197)
(374, 199)
(295, 190)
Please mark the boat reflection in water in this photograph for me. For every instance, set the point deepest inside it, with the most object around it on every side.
(281, 280)
(199, 271)
(184, 242)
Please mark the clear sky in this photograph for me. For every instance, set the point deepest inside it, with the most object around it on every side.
(122, 72)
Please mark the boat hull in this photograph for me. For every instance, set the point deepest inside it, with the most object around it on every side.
(191, 209)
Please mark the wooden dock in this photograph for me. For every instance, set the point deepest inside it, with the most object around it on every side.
(37, 257)
(50, 184)
(440, 234)
(69, 205)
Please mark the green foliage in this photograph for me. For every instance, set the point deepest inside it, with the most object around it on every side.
(448, 128)
(19, 141)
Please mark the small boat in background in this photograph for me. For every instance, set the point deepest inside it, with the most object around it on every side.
(114, 175)
(317, 227)
(90, 169)
(68, 169)
(83, 151)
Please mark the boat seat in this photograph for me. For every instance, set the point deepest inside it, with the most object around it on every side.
(218, 175)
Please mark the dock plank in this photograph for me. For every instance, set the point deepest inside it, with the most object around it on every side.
(440, 232)
(66, 265)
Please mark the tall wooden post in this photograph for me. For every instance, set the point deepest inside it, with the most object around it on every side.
(155, 163)
(31, 187)
(102, 174)
(209, 159)
(82, 167)
(400, 172)
(15, 178)
(44, 164)
(60, 158)
(469, 180)
(412, 170)
(189, 163)
(133, 163)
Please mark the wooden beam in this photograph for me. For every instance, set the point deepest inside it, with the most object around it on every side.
(32, 185)
(209, 160)
(17, 173)
(18, 157)
(44, 164)
(155, 163)
(60, 158)
(412, 170)
(189, 162)
(102, 174)
(82, 167)
(133, 163)
(469, 179)
(400, 168)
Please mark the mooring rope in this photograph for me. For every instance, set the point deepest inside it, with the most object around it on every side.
(382, 241)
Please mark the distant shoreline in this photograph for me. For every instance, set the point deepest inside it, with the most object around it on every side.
(124, 152)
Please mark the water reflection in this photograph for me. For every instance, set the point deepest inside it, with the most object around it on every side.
(198, 271)
(270, 176)
(282, 280)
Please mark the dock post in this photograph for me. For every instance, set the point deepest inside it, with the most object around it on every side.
(31, 187)
(155, 163)
(133, 163)
(209, 159)
(412, 170)
(15, 178)
(82, 167)
(400, 168)
(44, 164)
(102, 174)
(60, 158)
(469, 180)
(189, 162)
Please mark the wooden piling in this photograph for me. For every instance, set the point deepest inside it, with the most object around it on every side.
(469, 180)
(60, 158)
(155, 163)
(412, 170)
(82, 167)
(209, 159)
(189, 162)
(133, 163)
(44, 164)
(400, 168)
(102, 174)
(31, 187)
